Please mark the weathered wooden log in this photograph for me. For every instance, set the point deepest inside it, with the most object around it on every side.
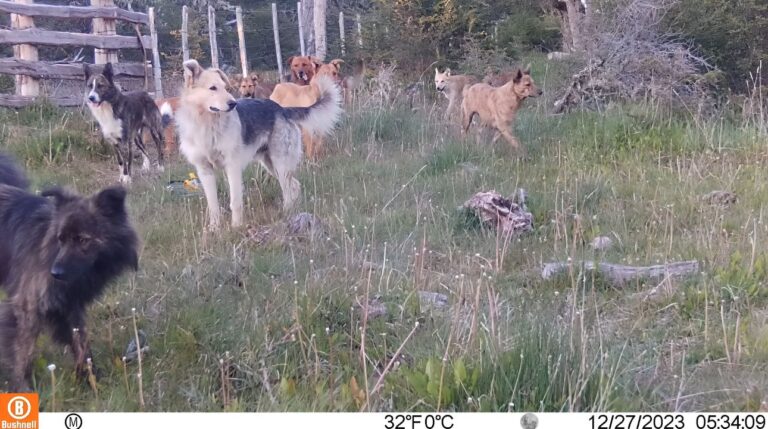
(16, 101)
(36, 36)
(69, 71)
(73, 12)
(623, 274)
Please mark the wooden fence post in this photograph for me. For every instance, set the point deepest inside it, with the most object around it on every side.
(359, 31)
(104, 26)
(212, 37)
(301, 29)
(25, 85)
(321, 43)
(341, 33)
(185, 33)
(241, 40)
(277, 42)
(155, 55)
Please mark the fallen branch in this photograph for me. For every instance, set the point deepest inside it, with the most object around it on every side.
(622, 274)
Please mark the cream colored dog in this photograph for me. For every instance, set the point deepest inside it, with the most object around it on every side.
(497, 107)
(452, 86)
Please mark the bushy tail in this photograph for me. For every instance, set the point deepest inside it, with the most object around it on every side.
(321, 117)
(11, 174)
(166, 111)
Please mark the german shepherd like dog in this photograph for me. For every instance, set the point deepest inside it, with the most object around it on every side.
(497, 106)
(123, 117)
(57, 255)
(217, 131)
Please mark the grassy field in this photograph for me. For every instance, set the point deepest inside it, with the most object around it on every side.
(238, 325)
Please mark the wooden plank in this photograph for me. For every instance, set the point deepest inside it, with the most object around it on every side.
(104, 27)
(37, 36)
(155, 55)
(10, 100)
(25, 85)
(68, 71)
(184, 33)
(241, 40)
(277, 42)
(73, 12)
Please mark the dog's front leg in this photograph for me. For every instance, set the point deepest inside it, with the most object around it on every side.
(127, 139)
(235, 178)
(208, 180)
(23, 349)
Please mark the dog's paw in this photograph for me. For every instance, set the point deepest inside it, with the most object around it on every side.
(125, 179)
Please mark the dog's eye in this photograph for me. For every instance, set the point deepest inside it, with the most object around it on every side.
(83, 240)
(213, 88)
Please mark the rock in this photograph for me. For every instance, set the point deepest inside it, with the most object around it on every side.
(433, 300)
(375, 308)
(132, 351)
(720, 198)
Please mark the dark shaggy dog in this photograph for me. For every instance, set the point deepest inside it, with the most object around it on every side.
(122, 118)
(57, 255)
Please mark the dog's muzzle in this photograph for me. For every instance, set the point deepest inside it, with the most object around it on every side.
(230, 106)
(303, 76)
(93, 98)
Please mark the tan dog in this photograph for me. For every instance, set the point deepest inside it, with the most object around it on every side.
(251, 86)
(292, 95)
(168, 108)
(353, 81)
(497, 107)
(452, 86)
(303, 69)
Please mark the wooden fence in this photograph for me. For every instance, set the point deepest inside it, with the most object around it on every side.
(29, 70)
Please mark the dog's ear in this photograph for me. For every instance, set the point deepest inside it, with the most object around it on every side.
(108, 73)
(223, 77)
(527, 69)
(337, 63)
(236, 79)
(315, 62)
(447, 72)
(518, 76)
(437, 72)
(192, 71)
(61, 196)
(110, 201)
(255, 77)
(87, 71)
(290, 60)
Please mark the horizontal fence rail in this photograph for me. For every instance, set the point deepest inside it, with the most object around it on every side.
(85, 12)
(68, 71)
(36, 36)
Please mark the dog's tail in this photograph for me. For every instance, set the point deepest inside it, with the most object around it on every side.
(321, 117)
(11, 174)
(166, 112)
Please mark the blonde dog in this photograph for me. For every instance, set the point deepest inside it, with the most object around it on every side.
(218, 132)
(497, 106)
(452, 86)
(292, 95)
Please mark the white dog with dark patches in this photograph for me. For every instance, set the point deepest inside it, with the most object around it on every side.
(218, 132)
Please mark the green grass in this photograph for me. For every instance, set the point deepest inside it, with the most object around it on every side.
(285, 316)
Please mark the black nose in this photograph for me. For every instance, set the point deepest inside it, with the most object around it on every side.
(57, 272)
(92, 98)
(231, 104)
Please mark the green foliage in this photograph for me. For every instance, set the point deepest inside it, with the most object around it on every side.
(731, 34)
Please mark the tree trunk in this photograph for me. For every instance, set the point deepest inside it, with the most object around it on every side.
(574, 23)
(307, 17)
(321, 47)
